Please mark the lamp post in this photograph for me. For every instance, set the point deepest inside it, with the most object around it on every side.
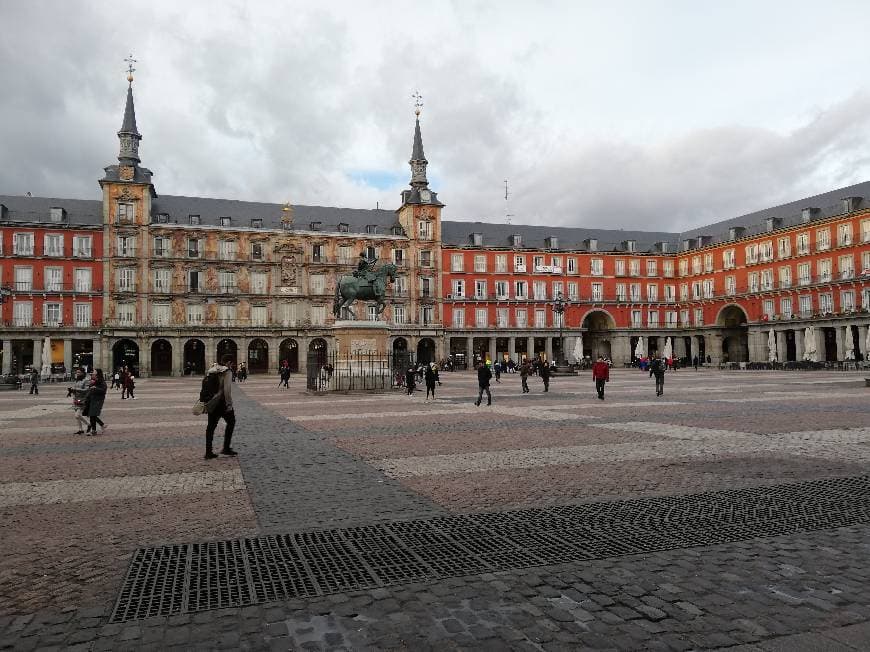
(559, 305)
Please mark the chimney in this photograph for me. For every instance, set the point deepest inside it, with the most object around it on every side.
(591, 244)
(629, 245)
(773, 223)
(808, 213)
(736, 232)
(552, 242)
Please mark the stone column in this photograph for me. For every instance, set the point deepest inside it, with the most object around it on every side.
(620, 349)
(98, 351)
(695, 349)
(302, 355)
(67, 355)
(799, 344)
(713, 344)
(144, 357)
(512, 348)
(492, 352)
(548, 348)
(7, 357)
(469, 351)
(781, 346)
(177, 356)
(37, 355)
(530, 348)
(862, 343)
(820, 345)
(210, 344)
(841, 340)
(274, 353)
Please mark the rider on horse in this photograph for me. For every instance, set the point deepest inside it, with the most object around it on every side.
(364, 266)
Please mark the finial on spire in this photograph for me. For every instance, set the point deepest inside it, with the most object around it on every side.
(418, 102)
(130, 69)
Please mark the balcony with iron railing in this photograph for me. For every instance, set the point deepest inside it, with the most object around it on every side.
(27, 287)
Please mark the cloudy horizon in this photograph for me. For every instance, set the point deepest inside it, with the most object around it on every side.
(626, 116)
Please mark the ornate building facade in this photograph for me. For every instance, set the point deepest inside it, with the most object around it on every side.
(167, 284)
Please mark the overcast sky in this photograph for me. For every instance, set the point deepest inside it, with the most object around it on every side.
(655, 115)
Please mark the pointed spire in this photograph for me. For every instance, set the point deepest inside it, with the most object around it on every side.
(418, 160)
(129, 124)
(129, 135)
(417, 150)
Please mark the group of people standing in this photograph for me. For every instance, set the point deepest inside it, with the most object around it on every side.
(429, 375)
(88, 394)
(125, 381)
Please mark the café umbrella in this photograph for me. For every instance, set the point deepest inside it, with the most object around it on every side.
(668, 351)
(578, 349)
(640, 348)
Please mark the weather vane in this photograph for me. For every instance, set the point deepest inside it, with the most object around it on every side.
(130, 69)
(418, 102)
(287, 217)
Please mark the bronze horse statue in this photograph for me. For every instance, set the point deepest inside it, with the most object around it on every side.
(373, 287)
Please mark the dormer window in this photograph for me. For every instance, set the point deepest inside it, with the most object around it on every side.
(772, 223)
(58, 215)
(516, 240)
(397, 230)
(194, 220)
(552, 242)
(629, 245)
(736, 232)
(162, 218)
(851, 204)
(808, 213)
(591, 244)
(371, 228)
(256, 223)
(477, 239)
(226, 221)
(343, 227)
(315, 226)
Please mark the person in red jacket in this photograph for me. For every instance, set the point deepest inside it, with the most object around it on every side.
(600, 374)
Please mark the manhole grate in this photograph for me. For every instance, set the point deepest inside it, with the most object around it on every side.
(199, 576)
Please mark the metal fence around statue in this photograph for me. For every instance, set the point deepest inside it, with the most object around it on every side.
(359, 372)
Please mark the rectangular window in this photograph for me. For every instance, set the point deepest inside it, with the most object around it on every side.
(52, 245)
(598, 292)
(501, 290)
(290, 314)
(480, 263)
(597, 267)
(161, 246)
(126, 212)
(767, 279)
(823, 239)
(480, 289)
(127, 279)
(847, 301)
(572, 291)
(537, 262)
(259, 283)
(480, 317)
(636, 319)
(823, 268)
(696, 264)
(684, 267)
(519, 264)
(668, 268)
(459, 318)
(424, 230)
(865, 298)
(708, 262)
(160, 314)
(785, 276)
(501, 264)
(634, 291)
(865, 231)
(784, 247)
(751, 254)
(426, 285)
(317, 283)
(846, 267)
(540, 318)
(22, 244)
(652, 292)
(765, 251)
(227, 314)
(670, 294)
(619, 267)
(501, 317)
(227, 249)
(194, 314)
(51, 314)
(126, 313)
(82, 315)
(865, 263)
(400, 286)
(399, 257)
(399, 314)
(785, 308)
(226, 221)
(257, 251)
(697, 292)
(803, 244)
(826, 303)
(162, 281)
(753, 282)
(671, 319)
(684, 317)
(806, 304)
(82, 246)
(259, 315)
(651, 267)
(572, 265)
(522, 318)
(427, 315)
(126, 246)
(728, 259)
(426, 258)
(767, 308)
(318, 253)
(53, 279)
(803, 273)
(456, 262)
(82, 280)
(620, 292)
(634, 267)
(557, 289)
(227, 282)
(684, 291)
(540, 290)
(709, 288)
(22, 313)
(730, 285)
(653, 319)
(521, 290)
(193, 248)
(194, 220)
(345, 254)
(699, 316)
(193, 281)
(458, 287)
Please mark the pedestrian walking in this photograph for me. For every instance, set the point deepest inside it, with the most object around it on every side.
(129, 384)
(601, 375)
(525, 369)
(410, 380)
(93, 403)
(657, 369)
(285, 376)
(497, 368)
(431, 376)
(545, 375)
(116, 380)
(483, 377)
(34, 382)
(217, 394)
(79, 391)
(695, 362)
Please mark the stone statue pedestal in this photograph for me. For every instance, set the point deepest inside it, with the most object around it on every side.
(366, 337)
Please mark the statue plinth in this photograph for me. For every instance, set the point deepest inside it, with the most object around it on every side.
(355, 337)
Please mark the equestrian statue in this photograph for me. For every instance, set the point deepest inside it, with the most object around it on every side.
(365, 284)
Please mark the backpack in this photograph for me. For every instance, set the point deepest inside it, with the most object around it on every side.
(211, 385)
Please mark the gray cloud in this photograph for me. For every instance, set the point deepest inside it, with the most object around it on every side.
(271, 103)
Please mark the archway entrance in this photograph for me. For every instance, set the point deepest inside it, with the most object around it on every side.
(790, 347)
(732, 321)
(317, 351)
(161, 358)
(425, 351)
(194, 357)
(289, 352)
(830, 344)
(258, 357)
(125, 353)
(597, 326)
(227, 347)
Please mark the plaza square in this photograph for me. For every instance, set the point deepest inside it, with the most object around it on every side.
(732, 510)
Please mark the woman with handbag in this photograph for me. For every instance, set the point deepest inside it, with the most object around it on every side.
(94, 400)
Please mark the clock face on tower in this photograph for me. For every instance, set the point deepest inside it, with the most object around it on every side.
(425, 195)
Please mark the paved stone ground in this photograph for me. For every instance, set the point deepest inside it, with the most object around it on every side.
(74, 509)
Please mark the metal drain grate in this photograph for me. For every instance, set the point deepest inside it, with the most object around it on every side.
(199, 576)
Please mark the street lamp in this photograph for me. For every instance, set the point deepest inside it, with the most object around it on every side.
(559, 305)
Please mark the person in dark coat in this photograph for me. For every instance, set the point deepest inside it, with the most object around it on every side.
(431, 377)
(34, 382)
(285, 376)
(94, 400)
(601, 375)
(410, 380)
(695, 362)
(657, 369)
(545, 375)
(483, 377)
(525, 369)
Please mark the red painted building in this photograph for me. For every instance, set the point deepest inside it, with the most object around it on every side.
(51, 272)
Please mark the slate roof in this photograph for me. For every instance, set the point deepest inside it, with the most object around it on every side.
(37, 209)
(570, 238)
(829, 205)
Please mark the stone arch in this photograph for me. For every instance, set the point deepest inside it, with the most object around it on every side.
(258, 356)
(732, 315)
(194, 357)
(426, 350)
(229, 347)
(598, 319)
(318, 350)
(125, 353)
(161, 358)
(288, 351)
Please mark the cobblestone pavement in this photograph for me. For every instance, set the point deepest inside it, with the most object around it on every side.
(75, 509)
